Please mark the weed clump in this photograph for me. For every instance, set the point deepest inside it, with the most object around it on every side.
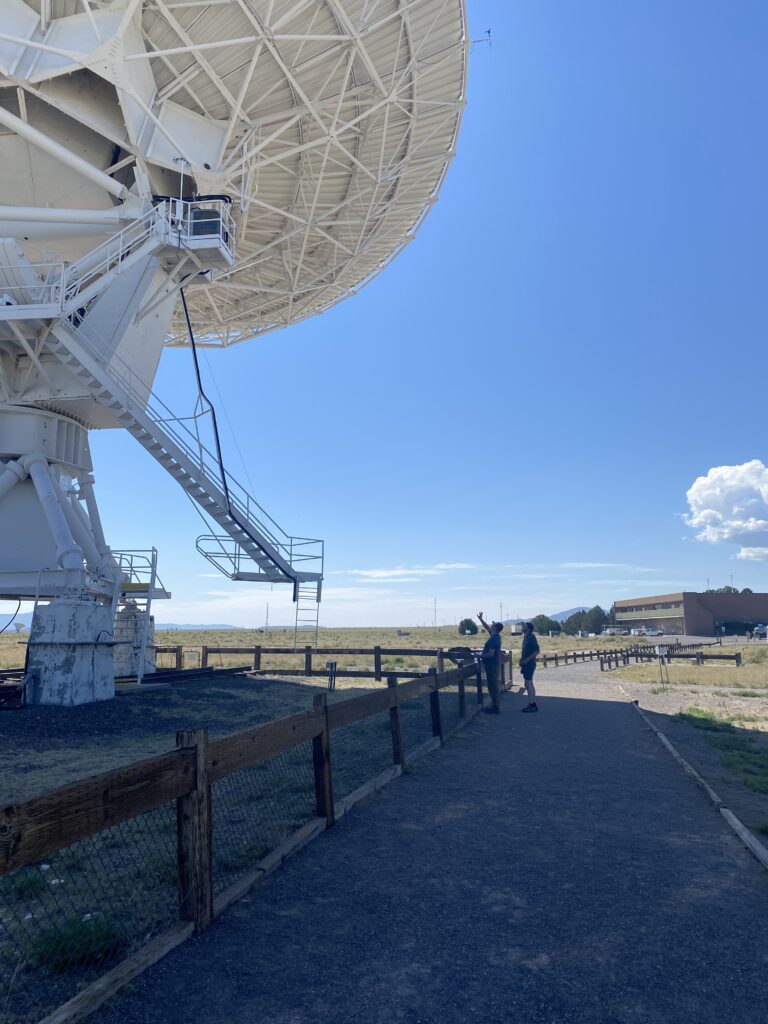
(78, 942)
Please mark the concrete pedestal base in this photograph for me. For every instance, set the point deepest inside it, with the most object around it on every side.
(129, 641)
(70, 653)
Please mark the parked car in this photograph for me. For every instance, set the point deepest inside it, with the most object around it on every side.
(614, 631)
(760, 632)
(649, 631)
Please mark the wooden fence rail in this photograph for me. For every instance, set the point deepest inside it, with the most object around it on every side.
(650, 652)
(46, 824)
(259, 652)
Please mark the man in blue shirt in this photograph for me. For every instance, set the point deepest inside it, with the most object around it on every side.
(528, 664)
(492, 662)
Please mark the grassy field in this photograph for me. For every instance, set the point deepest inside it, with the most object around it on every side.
(751, 676)
(12, 651)
(741, 748)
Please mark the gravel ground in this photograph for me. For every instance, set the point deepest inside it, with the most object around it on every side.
(556, 868)
(45, 747)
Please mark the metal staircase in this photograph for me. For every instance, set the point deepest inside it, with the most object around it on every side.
(252, 547)
(251, 536)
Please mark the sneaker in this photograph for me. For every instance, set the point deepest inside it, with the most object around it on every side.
(492, 710)
(531, 707)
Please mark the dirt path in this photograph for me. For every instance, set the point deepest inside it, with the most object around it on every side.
(541, 869)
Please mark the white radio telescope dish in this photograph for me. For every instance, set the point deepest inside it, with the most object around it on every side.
(222, 167)
(329, 123)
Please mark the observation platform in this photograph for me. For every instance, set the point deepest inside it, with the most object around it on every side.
(544, 869)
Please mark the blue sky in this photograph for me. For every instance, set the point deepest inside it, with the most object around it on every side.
(514, 411)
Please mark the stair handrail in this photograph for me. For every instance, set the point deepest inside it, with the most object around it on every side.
(139, 394)
(113, 250)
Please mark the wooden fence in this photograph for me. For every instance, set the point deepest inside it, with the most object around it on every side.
(259, 654)
(42, 826)
(652, 652)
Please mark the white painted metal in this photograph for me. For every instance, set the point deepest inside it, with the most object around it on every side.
(252, 535)
(329, 123)
(267, 156)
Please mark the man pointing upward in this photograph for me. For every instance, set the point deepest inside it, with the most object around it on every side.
(492, 661)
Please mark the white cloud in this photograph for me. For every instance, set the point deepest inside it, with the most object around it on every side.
(753, 554)
(606, 565)
(409, 574)
(730, 504)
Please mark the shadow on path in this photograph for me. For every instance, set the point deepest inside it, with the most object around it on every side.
(546, 868)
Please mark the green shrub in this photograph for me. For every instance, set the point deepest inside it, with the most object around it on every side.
(23, 885)
(78, 942)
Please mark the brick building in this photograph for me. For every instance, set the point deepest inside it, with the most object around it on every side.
(694, 614)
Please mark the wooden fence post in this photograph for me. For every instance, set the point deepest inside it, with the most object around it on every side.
(194, 830)
(738, 659)
(434, 706)
(440, 661)
(377, 665)
(479, 681)
(396, 725)
(308, 660)
(179, 657)
(256, 659)
(321, 757)
(203, 657)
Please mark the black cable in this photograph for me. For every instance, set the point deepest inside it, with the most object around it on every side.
(219, 457)
(211, 408)
(11, 621)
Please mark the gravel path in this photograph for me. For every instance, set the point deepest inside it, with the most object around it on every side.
(540, 869)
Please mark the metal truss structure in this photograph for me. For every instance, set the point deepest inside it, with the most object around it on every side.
(259, 160)
(330, 122)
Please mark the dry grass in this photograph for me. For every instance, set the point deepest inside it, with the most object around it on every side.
(12, 651)
(752, 675)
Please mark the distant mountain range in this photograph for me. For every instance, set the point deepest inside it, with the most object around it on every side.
(26, 618)
(562, 616)
(195, 625)
(558, 616)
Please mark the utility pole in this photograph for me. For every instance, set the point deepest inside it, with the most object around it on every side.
(501, 612)
(266, 624)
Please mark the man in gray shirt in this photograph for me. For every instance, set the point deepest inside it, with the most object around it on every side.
(492, 662)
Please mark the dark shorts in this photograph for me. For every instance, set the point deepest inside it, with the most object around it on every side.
(528, 671)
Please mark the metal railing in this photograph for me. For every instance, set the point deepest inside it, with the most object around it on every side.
(67, 288)
(46, 288)
(243, 507)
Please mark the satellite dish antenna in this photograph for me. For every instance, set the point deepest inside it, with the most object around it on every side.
(185, 174)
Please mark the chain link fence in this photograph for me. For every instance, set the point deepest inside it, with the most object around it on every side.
(360, 751)
(67, 919)
(416, 718)
(255, 809)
